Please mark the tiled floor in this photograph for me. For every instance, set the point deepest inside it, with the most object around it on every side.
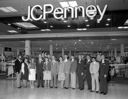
(9, 91)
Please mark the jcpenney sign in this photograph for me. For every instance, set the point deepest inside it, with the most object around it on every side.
(62, 13)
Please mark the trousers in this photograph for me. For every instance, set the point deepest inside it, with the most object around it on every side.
(95, 82)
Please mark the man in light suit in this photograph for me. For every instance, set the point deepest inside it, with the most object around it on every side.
(67, 65)
(94, 70)
(54, 72)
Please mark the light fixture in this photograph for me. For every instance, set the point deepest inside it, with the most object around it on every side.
(87, 25)
(8, 9)
(126, 22)
(113, 39)
(12, 31)
(65, 21)
(86, 20)
(11, 9)
(26, 25)
(68, 25)
(64, 4)
(45, 22)
(80, 40)
(51, 26)
(45, 30)
(108, 19)
(80, 29)
(9, 24)
(107, 24)
(72, 3)
(123, 27)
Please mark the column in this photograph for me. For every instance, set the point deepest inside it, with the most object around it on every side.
(27, 47)
(115, 52)
(51, 49)
(122, 49)
(70, 53)
(62, 52)
(17, 51)
(111, 53)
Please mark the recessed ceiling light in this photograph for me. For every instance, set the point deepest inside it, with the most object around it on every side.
(80, 29)
(113, 39)
(87, 25)
(45, 21)
(125, 27)
(72, 3)
(9, 24)
(84, 29)
(120, 27)
(108, 19)
(51, 26)
(45, 30)
(68, 25)
(65, 21)
(86, 20)
(107, 24)
(80, 40)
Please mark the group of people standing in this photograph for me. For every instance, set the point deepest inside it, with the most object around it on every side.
(64, 72)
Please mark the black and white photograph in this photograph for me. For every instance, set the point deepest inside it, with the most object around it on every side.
(63, 49)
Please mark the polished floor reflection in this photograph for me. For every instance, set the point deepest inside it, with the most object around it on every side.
(9, 91)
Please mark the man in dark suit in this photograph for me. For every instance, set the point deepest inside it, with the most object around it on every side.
(88, 75)
(80, 72)
(39, 71)
(103, 73)
(18, 63)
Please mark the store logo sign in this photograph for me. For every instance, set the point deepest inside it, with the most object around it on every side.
(62, 13)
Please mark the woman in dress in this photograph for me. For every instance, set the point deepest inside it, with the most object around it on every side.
(24, 71)
(47, 72)
(61, 75)
(32, 72)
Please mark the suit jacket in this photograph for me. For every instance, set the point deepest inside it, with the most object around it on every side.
(54, 67)
(104, 68)
(80, 67)
(73, 66)
(87, 66)
(67, 66)
(39, 67)
(94, 67)
(18, 66)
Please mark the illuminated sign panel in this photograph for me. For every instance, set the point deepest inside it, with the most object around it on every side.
(62, 13)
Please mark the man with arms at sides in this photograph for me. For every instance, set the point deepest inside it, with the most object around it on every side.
(54, 72)
(104, 67)
(80, 72)
(39, 71)
(94, 70)
(88, 74)
(18, 63)
(67, 65)
(73, 72)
